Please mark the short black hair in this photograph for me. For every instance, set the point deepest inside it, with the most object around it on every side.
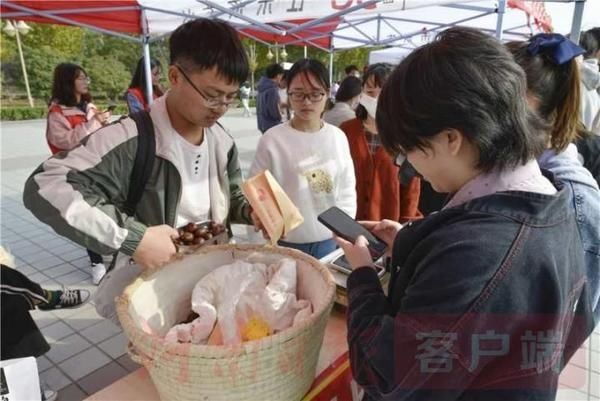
(273, 70)
(590, 41)
(63, 85)
(203, 43)
(380, 73)
(348, 70)
(349, 88)
(468, 81)
(309, 66)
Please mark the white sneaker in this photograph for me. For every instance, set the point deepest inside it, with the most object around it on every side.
(98, 272)
(49, 395)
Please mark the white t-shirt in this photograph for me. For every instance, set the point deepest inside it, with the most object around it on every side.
(194, 205)
(314, 169)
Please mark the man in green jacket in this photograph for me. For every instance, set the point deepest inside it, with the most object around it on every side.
(196, 175)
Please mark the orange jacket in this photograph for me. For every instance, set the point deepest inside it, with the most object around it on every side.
(378, 190)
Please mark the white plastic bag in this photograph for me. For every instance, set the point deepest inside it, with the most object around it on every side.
(247, 300)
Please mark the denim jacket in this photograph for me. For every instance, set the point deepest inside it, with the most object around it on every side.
(567, 169)
(473, 290)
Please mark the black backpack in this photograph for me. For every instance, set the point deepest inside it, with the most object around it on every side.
(144, 160)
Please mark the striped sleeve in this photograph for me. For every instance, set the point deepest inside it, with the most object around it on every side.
(78, 193)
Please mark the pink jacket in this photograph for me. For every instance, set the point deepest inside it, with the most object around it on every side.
(67, 126)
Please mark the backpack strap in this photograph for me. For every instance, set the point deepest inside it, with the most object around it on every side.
(144, 160)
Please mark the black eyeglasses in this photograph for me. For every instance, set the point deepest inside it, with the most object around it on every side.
(209, 101)
(314, 97)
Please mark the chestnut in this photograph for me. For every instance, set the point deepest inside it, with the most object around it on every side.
(198, 241)
(188, 237)
(190, 227)
(200, 232)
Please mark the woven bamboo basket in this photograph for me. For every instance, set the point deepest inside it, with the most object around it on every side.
(278, 367)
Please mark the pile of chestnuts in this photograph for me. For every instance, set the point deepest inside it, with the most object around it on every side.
(199, 234)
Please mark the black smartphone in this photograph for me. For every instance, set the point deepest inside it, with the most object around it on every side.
(349, 229)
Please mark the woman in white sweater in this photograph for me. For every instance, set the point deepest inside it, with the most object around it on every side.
(310, 159)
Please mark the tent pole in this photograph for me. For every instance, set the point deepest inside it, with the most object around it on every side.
(331, 67)
(147, 70)
(500, 20)
(576, 24)
(147, 62)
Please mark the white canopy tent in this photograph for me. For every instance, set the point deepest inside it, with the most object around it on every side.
(326, 24)
(392, 55)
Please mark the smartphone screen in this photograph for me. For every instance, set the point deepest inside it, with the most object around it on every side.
(347, 228)
(341, 264)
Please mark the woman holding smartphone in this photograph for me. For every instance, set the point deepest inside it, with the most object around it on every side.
(500, 266)
(310, 159)
(71, 117)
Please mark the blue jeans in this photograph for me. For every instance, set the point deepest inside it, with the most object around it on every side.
(315, 249)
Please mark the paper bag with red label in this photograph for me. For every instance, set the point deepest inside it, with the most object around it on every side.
(274, 208)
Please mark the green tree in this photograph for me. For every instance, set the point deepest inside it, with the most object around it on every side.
(41, 62)
(67, 41)
(358, 56)
(109, 76)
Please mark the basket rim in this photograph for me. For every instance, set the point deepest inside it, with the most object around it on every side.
(136, 334)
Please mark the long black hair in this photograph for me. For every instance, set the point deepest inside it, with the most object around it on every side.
(139, 77)
(557, 91)
(63, 85)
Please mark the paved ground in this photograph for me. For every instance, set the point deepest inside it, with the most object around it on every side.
(88, 353)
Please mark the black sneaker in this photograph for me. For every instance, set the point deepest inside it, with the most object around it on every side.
(65, 299)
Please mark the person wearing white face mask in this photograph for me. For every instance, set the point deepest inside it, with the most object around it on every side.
(378, 190)
(346, 101)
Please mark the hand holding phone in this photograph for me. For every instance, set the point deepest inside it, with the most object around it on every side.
(386, 230)
(347, 228)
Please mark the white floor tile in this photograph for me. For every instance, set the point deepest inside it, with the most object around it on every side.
(67, 347)
(43, 363)
(115, 346)
(101, 331)
(56, 331)
(85, 363)
(54, 379)
(85, 317)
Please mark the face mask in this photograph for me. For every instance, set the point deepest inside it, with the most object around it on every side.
(369, 103)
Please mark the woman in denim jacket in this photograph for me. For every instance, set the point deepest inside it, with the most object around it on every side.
(488, 298)
(553, 84)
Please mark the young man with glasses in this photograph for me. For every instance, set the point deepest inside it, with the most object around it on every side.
(196, 173)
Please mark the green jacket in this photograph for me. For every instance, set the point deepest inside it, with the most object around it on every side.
(81, 193)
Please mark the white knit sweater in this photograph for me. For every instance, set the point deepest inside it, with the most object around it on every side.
(314, 169)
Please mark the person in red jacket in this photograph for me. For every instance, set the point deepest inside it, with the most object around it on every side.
(72, 117)
(379, 192)
(136, 93)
